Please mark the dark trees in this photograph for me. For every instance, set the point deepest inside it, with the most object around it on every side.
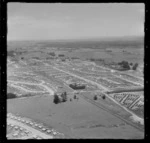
(61, 55)
(131, 64)
(64, 97)
(75, 97)
(11, 95)
(103, 97)
(60, 98)
(56, 99)
(11, 53)
(125, 65)
(135, 66)
(52, 54)
(95, 97)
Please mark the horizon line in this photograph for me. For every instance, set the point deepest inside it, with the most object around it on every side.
(78, 39)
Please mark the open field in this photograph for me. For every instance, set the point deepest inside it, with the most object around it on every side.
(74, 118)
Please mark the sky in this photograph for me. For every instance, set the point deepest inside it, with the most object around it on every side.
(52, 21)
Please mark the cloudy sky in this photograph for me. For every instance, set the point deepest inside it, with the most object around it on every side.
(27, 21)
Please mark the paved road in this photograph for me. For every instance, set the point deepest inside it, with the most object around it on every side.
(39, 84)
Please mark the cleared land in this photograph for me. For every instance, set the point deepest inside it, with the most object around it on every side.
(45, 69)
(70, 117)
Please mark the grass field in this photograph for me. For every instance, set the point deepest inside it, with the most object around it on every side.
(73, 118)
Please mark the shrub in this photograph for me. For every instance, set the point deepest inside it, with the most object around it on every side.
(61, 55)
(64, 97)
(131, 64)
(56, 99)
(75, 97)
(135, 66)
(125, 65)
(52, 54)
(103, 97)
(95, 97)
(11, 53)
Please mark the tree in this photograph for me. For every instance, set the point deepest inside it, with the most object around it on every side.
(95, 97)
(64, 97)
(52, 54)
(11, 53)
(135, 66)
(11, 95)
(61, 55)
(63, 60)
(91, 59)
(131, 64)
(75, 96)
(124, 65)
(103, 97)
(56, 99)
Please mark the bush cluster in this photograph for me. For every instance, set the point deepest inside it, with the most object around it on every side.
(60, 98)
(11, 95)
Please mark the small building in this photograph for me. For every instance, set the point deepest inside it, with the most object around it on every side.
(77, 86)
